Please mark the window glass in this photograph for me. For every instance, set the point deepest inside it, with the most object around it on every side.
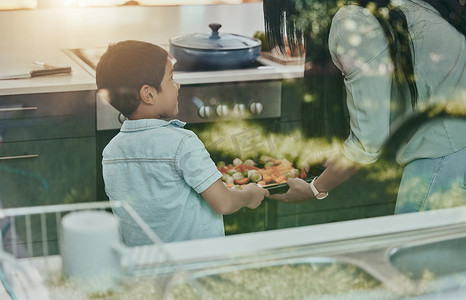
(17, 4)
(30, 4)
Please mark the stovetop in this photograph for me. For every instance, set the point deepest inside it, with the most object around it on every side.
(262, 69)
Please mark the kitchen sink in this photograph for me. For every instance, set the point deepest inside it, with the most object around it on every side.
(297, 278)
(430, 263)
(422, 262)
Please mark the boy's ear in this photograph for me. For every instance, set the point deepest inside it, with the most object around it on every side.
(147, 94)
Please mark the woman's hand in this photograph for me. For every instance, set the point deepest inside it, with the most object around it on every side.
(299, 191)
(338, 169)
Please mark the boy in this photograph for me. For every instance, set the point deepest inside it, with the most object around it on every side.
(162, 170)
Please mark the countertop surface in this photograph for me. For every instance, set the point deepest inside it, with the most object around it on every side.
(44, 35)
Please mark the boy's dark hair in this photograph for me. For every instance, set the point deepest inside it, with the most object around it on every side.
(125, 67)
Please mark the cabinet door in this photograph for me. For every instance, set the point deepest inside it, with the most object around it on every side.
(44, 172)
(47, 116)
(47, 172)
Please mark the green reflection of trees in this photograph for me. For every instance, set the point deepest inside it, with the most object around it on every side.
(324, 121)
(372, 192)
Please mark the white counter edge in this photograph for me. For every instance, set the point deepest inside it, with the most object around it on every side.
(307, 235)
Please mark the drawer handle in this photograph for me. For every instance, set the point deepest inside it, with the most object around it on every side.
(19, 156)
(8, 109)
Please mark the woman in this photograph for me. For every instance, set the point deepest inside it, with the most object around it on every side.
(397, 58)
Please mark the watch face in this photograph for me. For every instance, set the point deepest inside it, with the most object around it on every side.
(321, 196)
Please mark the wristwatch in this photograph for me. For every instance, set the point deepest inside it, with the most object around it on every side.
(317, 194)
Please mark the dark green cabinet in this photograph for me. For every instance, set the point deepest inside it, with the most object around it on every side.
(47, 172)
(47, 150)
(47, 157)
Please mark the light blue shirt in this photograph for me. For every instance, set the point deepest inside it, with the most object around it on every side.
(359, 49)
(160, 169)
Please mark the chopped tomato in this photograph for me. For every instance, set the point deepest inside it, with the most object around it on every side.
(243, 168)
(265, 172)
(275, 171)
(303, 174)
(223, 169)
(280, 179)
(242, 180)
(266, 178)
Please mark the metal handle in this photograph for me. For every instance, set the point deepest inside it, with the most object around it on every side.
(51, 71)
(8, 109)
(19, 156)
(215, 27)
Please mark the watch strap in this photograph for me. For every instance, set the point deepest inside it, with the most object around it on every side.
(317, 194)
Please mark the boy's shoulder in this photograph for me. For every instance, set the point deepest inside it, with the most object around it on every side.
(155, 127)
(179, 133)
(168, 138)
(181, 130)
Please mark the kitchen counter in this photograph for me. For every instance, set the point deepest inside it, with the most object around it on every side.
(44, 34)
(78, 80)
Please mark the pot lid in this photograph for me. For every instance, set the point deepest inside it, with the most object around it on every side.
(214, 40)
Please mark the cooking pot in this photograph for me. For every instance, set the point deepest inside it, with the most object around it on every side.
(214, 50)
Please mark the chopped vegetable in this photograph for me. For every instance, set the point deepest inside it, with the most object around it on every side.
(264, 159)
(279, 179)
(267, 178)
(275, 171)
(294, 172)
(242, 180)
(268, 164)
(227, 178)
(232, 171)
(237, 162)
(303, 174)
(237, 175)
(250, 172)
(256, 177)
(249, 162)
(272, 171)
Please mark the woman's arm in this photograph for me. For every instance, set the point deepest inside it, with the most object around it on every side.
(338, 170)
(227, 201)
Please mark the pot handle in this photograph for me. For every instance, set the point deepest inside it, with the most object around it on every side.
(215, 27)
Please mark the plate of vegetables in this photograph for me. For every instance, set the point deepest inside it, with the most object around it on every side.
(271, 173)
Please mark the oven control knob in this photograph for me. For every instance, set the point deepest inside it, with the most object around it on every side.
(205, 111)
(256, 108)
(239, 109)
(222, 110)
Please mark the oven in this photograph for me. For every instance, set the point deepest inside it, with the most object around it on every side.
(232, 111)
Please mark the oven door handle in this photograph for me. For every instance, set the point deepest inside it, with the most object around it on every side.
(17, 108)
(19, 156)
